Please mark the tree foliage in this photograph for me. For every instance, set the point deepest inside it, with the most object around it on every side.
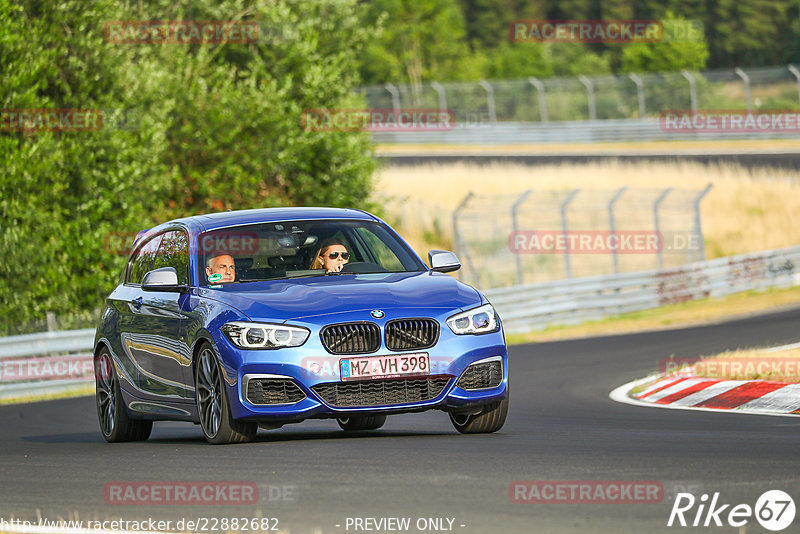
(188, 129)
(420, 44)
(674, 53)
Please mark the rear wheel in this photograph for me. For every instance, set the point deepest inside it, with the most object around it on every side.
(212, 403)
(115, 424)
(368, 422)
(490, 419)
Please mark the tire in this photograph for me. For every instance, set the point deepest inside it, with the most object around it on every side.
(367, 422)
(213, 406)
(491, 419)
(112, 414)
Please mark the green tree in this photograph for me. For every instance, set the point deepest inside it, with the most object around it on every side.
(683, 47)
(487, 21)
(746, 32)
(421, 40)
(61, 193)
(216, 126)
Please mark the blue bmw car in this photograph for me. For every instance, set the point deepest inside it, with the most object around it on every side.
(260, 318)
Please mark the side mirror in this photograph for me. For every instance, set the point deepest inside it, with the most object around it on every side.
(163, 279)
(443, 261)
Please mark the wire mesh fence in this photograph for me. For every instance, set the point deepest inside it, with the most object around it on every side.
(597, 97)
(538, 236)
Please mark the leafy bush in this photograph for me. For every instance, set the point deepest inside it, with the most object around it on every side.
(209, 127)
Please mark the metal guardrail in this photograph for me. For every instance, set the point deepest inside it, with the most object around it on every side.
(565, 132)
(46, 363)
(564, 302)
(522, 308)
(47, 343)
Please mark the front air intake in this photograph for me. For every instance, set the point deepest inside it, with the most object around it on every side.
(264, 391)
(481, 376)
(380, 392)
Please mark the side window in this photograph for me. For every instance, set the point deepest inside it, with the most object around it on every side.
(143, 261)
(174, 252)
(387, 259)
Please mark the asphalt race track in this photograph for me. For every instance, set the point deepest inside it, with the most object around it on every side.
(561, 427)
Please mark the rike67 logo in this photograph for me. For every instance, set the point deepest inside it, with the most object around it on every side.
(774, 510)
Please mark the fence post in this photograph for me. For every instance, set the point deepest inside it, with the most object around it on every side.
(537, 83)
(746, 79)
(656, 206)
(458, 244)
(489, 99)
(612, 226)
(697, 228)
(395, 97)
(515, 229)
(639, 95)
(796, 73)
(565, 229)
(52, 326)
(692, 89)
(439, 88)
(590, 94)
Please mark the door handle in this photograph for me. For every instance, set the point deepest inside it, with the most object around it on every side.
(137, 303)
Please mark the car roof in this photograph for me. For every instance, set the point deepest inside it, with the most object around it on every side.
(211, 221)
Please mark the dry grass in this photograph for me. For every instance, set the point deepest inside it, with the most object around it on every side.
(746, 211)
(78, 391)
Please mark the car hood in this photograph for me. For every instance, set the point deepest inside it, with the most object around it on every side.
(282, 300)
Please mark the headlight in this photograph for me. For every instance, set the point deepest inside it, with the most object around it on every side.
(264, 336)
(479, 320)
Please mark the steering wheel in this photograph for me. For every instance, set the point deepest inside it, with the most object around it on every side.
(362, 267)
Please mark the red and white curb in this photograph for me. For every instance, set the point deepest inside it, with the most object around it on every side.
(684, 391)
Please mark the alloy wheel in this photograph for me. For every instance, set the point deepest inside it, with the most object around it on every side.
(209, 392)
(106, 395)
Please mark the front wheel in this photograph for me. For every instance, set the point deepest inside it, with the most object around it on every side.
(115, 424)
(212, 403)
(369, 422)
(491, 419)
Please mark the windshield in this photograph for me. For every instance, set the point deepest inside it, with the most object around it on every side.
(271, 251)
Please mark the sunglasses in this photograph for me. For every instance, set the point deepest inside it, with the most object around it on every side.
(334, 255)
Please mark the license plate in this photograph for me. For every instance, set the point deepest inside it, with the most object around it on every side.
(385, 366)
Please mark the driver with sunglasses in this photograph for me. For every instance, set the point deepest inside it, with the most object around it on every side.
(332, 256)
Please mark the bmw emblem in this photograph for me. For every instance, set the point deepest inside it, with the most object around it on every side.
(377, 314)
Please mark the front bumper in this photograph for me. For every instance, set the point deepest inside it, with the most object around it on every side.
(310, 365)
